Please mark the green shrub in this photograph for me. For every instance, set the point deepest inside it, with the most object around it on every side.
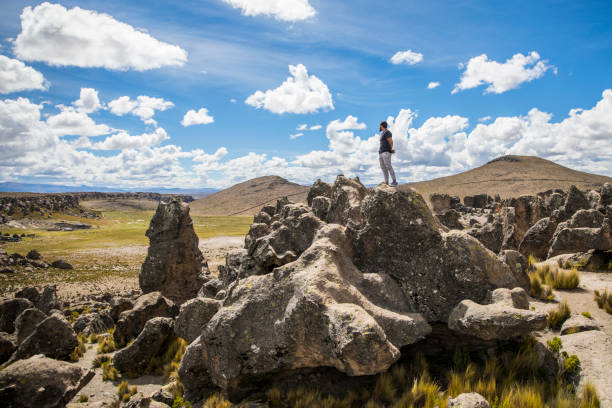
(83, 398)
(555, 345)
(178, 402)
(572, 363)
(557, 316)
(586, 314)
(531, 261)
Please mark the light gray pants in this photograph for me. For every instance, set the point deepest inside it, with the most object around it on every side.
(385, 165)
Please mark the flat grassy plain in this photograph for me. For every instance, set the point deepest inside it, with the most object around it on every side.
(113, 249)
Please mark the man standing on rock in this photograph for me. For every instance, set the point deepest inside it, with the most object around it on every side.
(384, 153)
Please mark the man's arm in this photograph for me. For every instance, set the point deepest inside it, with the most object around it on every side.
(390, 139)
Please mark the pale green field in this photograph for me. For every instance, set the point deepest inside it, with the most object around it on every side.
(114, 247)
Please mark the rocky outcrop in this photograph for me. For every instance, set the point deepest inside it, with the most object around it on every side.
(193, 372)
(518, 265)
(42, 204)
(440, 202)
(507, 316)
(53, 337)
(174, 264)
(399, 237)
(119, 305)
(61, 264)
(347, 293)
(146, 307)
(491, 235)
(7, 346)
(134, 358)
(41, 382)
(95, 322)
(9, 310)
(536, 241)
(26, 322)
(569, 240)
(450, 219)
(575, 200)
(193, 316)
(45, 301)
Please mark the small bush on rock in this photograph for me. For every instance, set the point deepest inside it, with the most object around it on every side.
(107, 345)
(99, 360)
(216, 401)
(124, 392)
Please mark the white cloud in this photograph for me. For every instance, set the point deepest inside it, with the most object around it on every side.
(296, 135)
(233, 100)
(484, 119)
(300, 93)
(315, 127)
(123, 140)
(88, 101)
(143, 106)
(201, 117)
(77, 37)
(301, 127)
(72, 122)
(406, 57)
(286, 10)
(433, 85)
(502, 77)
(15, 76)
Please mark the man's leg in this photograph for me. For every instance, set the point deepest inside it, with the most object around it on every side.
(383, 167)
(387, 160)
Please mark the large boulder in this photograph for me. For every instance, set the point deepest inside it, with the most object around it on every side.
(518, 264)
(134, 358)
(491, 235)
(41, 382)
(146, 307)
(605, 196)
(45, 301)
(506, 317)
(346, 197)
(570, 240)
(7, 346)
(193, 316)
(586, 219)
(399, 237)
(9, 310)
(95, 322)
(574, 201)
(319, 311)
(26, 322)
(579, 323)
(194, 374)
(450, 219)
(174, 264)
(53, 337)
(528, 210)
(119, 305)
(536, 241)
(319, 189)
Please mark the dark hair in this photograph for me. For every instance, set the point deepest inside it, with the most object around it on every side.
(384, 124)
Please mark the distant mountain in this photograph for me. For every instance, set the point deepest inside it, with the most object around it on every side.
(510, 176)
(56, 188)
(247, 198)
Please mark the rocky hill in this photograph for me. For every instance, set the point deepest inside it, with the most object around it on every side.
(249, 197)
(511, 176)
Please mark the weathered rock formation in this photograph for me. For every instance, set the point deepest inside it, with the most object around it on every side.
(146, 307)
(174, 264)
(41, 382)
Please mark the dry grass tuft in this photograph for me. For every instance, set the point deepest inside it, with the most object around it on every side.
(107, 345)
(80, 349)
(557, 316)
(124, 392)
(109, 372)
(604, 300)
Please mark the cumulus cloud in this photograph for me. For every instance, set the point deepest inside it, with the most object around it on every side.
(88, 101)
(406, 57)
(123, 140)
(77, 37)
(72, 122)
(143, 106)
(15, 76)
(296, 135)
(484, 119)
(201, 117)
(285, 10)
(315, 127)
(300, 93)
(433, 85)
(502, 77)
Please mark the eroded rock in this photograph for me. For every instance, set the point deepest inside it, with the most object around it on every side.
(146, 307)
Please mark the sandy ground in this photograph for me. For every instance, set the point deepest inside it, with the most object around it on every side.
(593, 348)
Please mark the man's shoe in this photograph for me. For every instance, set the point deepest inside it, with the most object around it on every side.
(394, 184)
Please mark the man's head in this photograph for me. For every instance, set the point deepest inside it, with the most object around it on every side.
(383, 126)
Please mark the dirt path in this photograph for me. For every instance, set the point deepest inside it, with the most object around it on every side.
(594, 347)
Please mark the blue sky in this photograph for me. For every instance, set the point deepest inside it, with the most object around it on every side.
(217, 55)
